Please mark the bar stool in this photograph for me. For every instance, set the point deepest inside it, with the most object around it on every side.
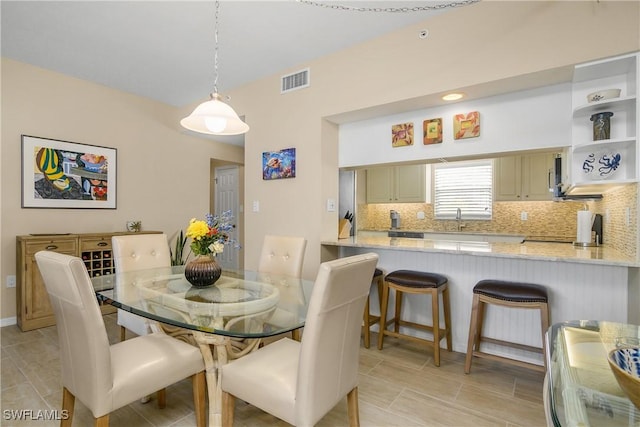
(417, 282)
(508, 294)
(369, 320)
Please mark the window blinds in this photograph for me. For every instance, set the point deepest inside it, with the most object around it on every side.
(467, 186)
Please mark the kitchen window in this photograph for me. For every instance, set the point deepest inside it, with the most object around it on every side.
(466, 186)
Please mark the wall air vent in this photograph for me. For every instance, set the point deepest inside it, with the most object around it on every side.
(294, 81)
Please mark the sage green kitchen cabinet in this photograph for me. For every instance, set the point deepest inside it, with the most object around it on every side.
(396, 184)
(523, 178)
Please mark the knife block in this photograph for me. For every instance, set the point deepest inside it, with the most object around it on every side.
(344, 229)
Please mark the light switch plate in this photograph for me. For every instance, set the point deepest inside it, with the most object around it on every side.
(256, 206)
(331, 205)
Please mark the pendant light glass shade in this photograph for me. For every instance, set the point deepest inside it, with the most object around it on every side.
(214, 117)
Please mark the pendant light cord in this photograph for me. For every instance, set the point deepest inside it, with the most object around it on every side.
(389, 9)
(215, 55)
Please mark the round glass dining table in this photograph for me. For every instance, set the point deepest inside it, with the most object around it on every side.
(226, 320)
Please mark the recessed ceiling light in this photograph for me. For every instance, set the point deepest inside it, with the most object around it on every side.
(452, 96)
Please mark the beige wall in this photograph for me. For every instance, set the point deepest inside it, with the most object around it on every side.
(163, 174)
(484, 42)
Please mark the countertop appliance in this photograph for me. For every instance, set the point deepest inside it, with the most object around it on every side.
(395, 219)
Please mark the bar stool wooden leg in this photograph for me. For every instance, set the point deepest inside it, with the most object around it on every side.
(473, 326)
(435, 311)
(396, 323)
(479, 322)
(383, 314)
(446, 307)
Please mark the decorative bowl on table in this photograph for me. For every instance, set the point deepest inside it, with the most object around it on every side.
(625, 364)
(601, 95)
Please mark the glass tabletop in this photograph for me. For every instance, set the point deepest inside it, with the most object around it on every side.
(242, 304)
(582, 388)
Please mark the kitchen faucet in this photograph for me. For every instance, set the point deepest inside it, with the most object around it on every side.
(459, 218)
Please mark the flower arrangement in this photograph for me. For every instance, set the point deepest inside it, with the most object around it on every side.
(209, 236)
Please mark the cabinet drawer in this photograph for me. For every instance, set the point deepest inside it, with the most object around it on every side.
(57, 245)
(97, 244)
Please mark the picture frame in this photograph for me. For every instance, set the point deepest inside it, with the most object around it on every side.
(65, 174)
(466, 125)
(432, 131)
(279, 164)
(402, 135)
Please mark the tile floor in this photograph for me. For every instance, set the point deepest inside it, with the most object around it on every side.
(399, 386)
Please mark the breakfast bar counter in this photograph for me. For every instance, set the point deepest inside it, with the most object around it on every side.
(583, 283)
(550, 251)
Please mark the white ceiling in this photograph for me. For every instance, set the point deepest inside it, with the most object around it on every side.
(164, 50)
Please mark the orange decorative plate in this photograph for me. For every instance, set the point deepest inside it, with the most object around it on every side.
(466, 126)
(432, 131)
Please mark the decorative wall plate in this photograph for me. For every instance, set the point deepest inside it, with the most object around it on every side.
(432, 131)
(466, 126)
(402, 135)
(602, 164)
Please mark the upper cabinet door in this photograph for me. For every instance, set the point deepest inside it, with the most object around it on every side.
(410, 184)
(380, 184)
(537, 176)
(396, 184)
(507, 178)
(526, 178)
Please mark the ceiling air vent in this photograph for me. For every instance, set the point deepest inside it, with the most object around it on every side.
(297, 80)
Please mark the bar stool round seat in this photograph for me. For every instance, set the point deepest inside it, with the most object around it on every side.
(509, 294)
(417, 282)
(511, 291)
(370, 319)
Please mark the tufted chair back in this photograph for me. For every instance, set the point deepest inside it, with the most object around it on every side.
(282, 255)
(138, 252)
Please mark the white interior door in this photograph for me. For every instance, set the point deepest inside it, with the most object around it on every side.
(226, 198)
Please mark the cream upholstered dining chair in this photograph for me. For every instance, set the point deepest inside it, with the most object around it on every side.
(107, 377)
(138, 252)
(299, 382)
(282, 255)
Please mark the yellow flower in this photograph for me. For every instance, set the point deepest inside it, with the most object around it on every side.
(197, 229)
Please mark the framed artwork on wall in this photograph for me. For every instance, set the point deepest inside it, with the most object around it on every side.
(279, 164)
(466, 125)
(432, 131)
(63, 174)
(402, 135)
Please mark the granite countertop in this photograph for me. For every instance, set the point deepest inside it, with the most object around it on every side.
(562, 252)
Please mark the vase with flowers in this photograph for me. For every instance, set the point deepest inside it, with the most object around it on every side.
(208, 238)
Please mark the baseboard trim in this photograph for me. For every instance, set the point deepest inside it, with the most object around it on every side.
(8, 321)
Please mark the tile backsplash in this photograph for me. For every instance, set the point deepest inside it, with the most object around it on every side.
(544, 219)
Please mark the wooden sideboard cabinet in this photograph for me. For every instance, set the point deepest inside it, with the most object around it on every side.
(33, 306)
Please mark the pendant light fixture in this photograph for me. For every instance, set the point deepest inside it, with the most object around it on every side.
(214, 117)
